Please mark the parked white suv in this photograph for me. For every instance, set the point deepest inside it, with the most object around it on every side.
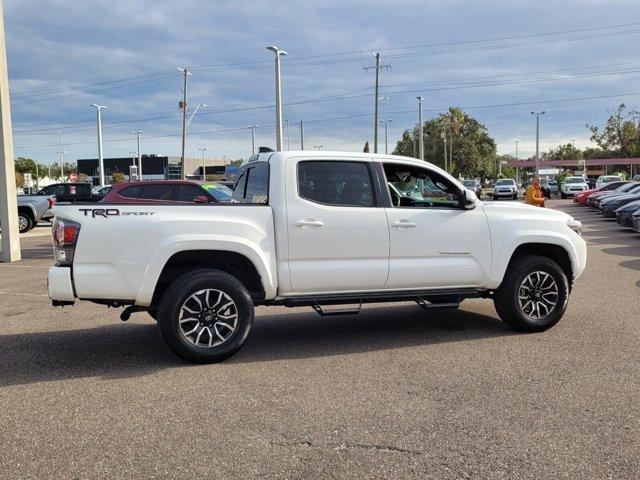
(572, 185)
(605, 179)
(315, 229)
(505, 188)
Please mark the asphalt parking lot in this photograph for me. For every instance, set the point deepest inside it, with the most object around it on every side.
(394, 392)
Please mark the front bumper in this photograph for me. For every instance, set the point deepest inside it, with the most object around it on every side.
(504, 193)
(60, 285)
(625, 219)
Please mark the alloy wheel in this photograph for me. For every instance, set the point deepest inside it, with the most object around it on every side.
(208, 318)
(538, 295)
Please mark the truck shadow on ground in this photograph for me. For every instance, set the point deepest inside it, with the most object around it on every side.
(136, 349)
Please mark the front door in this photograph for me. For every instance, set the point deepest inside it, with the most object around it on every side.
(338, 233)
(435, 242)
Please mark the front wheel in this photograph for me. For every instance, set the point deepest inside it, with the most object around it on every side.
(25, 222)
(205, 316)
(533, 295)
(563, 196)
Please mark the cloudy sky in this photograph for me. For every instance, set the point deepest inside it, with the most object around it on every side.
(499, 60)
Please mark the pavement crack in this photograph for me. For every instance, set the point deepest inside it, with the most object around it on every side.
(348, 445)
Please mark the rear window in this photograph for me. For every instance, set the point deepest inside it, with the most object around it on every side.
(158, 192)
(252, 184)
(574, 180)
(135, 191)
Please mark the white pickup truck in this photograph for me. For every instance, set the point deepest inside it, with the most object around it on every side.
(315, 229)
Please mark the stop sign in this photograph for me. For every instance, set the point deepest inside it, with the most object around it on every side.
(73, 177)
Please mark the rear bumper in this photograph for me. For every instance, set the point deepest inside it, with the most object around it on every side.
(59, 285)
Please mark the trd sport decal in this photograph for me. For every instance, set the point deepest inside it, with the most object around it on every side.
(112, 212)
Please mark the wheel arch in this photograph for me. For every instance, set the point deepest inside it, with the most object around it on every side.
(231, 262)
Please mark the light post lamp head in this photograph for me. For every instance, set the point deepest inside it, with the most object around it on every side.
(277, 51)
(99, 107)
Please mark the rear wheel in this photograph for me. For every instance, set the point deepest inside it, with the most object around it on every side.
(205, 316)
(25, 222)
(495, 197)
(533, 295)
(562, 195)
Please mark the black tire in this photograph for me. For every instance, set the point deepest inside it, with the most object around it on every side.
(506, 299)
(180, 291)
(515, 197)
(25, 222)
(495, 197)
(563, 196)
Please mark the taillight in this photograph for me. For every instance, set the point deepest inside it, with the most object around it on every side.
(65, 236)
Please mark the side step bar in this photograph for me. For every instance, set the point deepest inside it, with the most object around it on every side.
(323, 312)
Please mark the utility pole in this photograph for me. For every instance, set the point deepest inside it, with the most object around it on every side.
(377, 68)
(386, 134)
(537, 115)
(137, 134)
(183, 106)
(301, 135)
(420, 128)
(60, 156)
(253, 137)
(517, 169)
(278, 53)
(204, 174)
(99, 109)
(8, 201)
(443, 136)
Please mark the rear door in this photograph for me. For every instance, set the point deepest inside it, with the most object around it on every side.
(435, 242)
(338, 234)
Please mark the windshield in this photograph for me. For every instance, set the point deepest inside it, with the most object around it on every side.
(574, 180)
(469, 183)
(506, 181)
(221, 193)
(610, 179)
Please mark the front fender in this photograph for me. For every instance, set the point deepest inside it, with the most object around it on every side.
(259, 255)
(575, 248)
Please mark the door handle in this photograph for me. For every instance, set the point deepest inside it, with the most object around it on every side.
(404, 223)
(309, 223)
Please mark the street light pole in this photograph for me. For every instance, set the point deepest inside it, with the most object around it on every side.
(60, 156)
(301, 135)
(203, 105)
(420, 128)
(443, 136)
(517, 169)
(278, 53)
(99, 109)
(253, 137)
(386, 134)
(204, 174)
(138, 133)
(537, 115)
(183, 105)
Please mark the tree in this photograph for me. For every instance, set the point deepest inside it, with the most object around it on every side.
(19, 180)
(472, 152)
(620, 134)
(117, 177)
(563, 152)
(366, 147)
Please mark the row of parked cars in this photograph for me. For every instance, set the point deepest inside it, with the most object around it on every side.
(38, 207)
(618, 199)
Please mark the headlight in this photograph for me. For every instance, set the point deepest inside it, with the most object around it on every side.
(575, 225)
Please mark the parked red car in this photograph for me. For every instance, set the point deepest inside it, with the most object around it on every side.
(581, 198)
(168, 192)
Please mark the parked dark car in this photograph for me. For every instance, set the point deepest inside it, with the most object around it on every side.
(545, 186)
(68, 192)
(624, 214)
(168, 192)
(609, 205)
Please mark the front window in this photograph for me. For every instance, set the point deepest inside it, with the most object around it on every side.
(574, 180)
(188, 193)
(417, 187)
(505, 182)
(344, 184)
(469, 183)
(161, 191)
(220, 192)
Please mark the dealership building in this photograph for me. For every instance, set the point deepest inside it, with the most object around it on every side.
(156, 167)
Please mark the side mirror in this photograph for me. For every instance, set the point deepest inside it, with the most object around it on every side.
(469, 199)
(201, 199)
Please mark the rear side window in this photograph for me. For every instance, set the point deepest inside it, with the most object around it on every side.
(158, 192)
(134, 191)
(188, 193)
(252, 184)
(345, 184)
